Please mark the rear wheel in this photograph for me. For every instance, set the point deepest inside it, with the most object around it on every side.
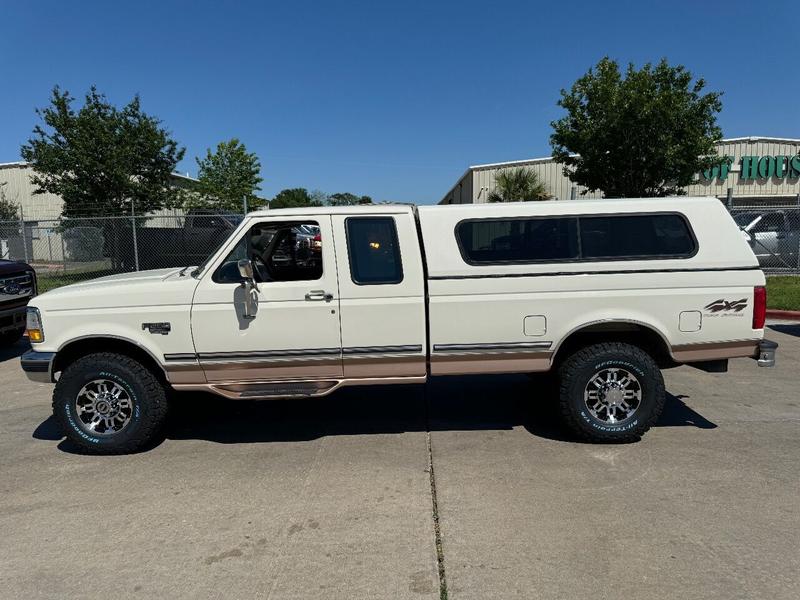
(109, 404)
(611, 392)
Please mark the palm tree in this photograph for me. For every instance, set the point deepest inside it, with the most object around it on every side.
(518, 185)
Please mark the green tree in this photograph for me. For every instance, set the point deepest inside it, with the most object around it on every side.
(9, 210)
(518, 185)
(229, 175)
(648, 133)
(318, 198)
(101, 158)
(294, 197)
(348, 199)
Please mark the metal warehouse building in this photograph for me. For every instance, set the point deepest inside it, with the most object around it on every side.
(35, 234)
(754, 170)
(16, 186)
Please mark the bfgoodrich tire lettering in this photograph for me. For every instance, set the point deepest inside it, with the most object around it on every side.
(145, 403)
(611, 392)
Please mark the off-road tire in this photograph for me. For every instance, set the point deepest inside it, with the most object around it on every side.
(146, 391)
(10, 338)
(577, 371)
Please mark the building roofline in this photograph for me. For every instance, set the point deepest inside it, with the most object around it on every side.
(526, 161)
(186, 177)
(10, 165)
(762, 138)
(755, 138)
(22, 163)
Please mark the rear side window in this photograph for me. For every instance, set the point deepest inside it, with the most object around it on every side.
(578, 238)
(635, 236)
(518, 240)
(373, 250)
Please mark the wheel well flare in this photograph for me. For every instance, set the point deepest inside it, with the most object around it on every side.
(90, 345)
(637, 334)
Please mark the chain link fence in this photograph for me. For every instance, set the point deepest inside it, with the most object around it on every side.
(66, 251)
(70, 250)
(773, 232)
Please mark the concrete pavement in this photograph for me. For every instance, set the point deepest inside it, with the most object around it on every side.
(705, 506)
(331, 498)
(281, 500)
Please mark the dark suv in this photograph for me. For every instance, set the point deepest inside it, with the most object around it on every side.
(17, 286)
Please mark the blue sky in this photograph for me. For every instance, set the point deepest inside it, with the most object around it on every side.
(390, 99)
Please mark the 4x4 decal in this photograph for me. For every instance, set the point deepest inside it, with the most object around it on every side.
(726, 306)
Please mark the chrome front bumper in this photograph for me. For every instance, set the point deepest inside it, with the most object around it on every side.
(766, 353)
(38, 366)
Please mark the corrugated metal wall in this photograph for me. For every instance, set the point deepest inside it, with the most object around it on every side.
(559, 186)
(481, 178)
(19, 190)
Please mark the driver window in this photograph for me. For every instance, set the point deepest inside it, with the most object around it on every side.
(280, 251)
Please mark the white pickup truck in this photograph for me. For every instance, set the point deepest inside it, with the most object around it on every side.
(299, 302)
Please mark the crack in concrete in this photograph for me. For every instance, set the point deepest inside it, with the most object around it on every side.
(437, 532)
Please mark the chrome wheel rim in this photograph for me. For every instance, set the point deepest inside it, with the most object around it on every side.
(103, 407)
(613, 395)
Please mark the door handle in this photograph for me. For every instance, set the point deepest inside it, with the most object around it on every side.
(319, 295)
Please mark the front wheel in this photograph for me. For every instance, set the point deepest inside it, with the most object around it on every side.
(611, 392)
(109, 404)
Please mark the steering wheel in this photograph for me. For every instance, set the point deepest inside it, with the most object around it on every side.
(262, 268)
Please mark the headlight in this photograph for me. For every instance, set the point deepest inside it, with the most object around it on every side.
(34, 326)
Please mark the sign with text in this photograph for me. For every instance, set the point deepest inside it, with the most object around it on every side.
(752, 168)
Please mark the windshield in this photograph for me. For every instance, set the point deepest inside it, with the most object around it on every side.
(202, 266)
(235, 220)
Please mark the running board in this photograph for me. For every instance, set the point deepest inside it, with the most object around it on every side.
(269, 390)
(263, 391)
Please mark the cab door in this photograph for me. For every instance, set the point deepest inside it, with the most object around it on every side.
(294, 331)
(382, 295)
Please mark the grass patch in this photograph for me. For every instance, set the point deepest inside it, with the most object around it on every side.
(783, 292)
(50, 281)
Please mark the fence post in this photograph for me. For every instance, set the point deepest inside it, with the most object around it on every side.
(22, 233)
(244, 199)
(135, 243)
(729, 198)
(63, 252)
(573, 193)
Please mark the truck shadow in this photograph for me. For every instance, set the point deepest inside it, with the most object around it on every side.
(787, 328)
(448, 404)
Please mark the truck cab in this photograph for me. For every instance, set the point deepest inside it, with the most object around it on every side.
(299, 302)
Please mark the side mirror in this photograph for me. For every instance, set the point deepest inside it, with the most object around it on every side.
(250, 288)
(246, 269)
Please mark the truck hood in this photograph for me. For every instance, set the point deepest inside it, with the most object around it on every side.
(160, 287)
(8, 267)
